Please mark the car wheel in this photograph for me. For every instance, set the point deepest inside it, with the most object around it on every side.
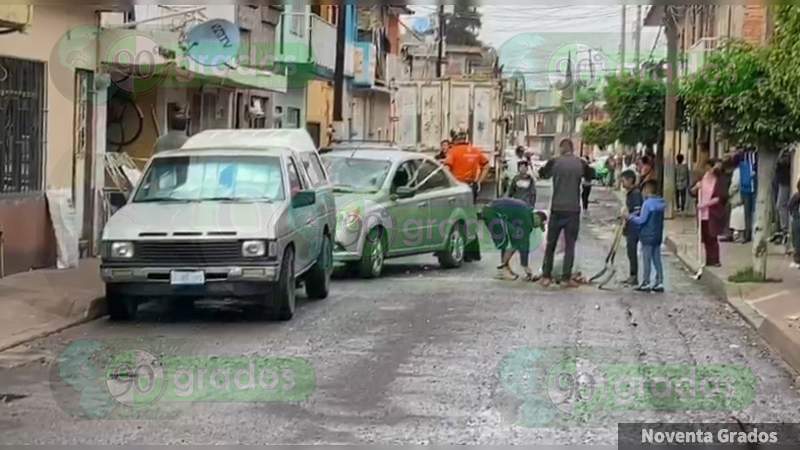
(120, 307)
(373, 255)
(318, 280)
(473, 251)
(283, 292)
(455, 249)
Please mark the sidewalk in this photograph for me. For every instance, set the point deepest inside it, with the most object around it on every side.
(42, 302)
(771, 308)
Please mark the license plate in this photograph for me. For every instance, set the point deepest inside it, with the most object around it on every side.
(187, 278)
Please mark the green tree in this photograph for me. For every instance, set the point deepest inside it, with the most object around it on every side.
(784, 57)
(733, 92)
(636, 107)
(464, 25)
(601, 134)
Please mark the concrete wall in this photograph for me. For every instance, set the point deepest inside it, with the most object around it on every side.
(319, 109)
(27, 231)
(41, 43)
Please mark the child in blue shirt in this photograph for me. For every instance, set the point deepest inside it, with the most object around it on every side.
(650, 221)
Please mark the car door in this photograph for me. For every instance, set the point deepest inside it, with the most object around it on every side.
(408, 215)
(325, 205)
(434, 187)
(302, 219)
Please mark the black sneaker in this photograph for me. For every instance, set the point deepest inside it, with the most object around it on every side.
(643, 288)
(659, 288)
(632, 281)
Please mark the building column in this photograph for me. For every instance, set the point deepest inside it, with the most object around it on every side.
(670, 113)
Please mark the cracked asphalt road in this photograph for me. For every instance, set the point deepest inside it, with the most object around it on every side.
(422, 356)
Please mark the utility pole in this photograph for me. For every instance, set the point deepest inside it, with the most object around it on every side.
(338, 75)
(638, 41)
(572, 118)
(622, 41)
(442, 30)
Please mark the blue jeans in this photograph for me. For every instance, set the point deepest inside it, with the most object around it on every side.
(651, 258)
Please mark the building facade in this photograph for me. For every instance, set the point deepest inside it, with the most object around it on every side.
(49, 114)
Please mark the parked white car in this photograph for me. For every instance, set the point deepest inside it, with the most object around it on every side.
(234, 213)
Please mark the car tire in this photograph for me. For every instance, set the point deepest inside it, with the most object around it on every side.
(455, 248)
(120, 307)
(373, 256)
(318, 280)
(473, 251)
(282, 297)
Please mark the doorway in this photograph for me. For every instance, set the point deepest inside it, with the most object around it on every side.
(83, 161)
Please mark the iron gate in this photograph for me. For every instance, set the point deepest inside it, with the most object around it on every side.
(21, 125)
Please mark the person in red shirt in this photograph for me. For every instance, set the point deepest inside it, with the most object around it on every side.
(467, 163)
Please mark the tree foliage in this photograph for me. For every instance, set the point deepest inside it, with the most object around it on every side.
(464, 25)
(601, 134)
(636, 107)
(733, 91)
(784, 58)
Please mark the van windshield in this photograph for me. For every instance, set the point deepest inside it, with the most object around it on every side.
(222, 178)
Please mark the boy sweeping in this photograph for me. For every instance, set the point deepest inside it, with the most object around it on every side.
(650, 221)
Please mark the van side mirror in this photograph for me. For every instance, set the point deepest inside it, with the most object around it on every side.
(405, 192)
(304, 198)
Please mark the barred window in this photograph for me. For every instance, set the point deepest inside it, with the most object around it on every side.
(21, 125)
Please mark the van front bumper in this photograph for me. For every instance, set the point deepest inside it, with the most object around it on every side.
(219, 280)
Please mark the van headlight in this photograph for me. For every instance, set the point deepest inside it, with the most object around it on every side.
(257, 249)
(120, 250)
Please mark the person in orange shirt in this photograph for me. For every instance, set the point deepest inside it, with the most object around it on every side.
(467, 163)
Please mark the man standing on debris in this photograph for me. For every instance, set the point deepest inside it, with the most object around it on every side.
(568, 172)
(467, 163)
(176, 135)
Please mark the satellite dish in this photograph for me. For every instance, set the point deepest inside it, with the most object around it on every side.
(421, 25)
(213, 43)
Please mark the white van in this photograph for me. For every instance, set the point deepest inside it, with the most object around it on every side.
(233, 213)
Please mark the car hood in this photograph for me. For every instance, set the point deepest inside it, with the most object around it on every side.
(247, 220)
(346, 202)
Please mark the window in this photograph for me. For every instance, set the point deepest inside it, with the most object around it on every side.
(199, 178)
(297, 23)
(295, 184)
(244, 47)
(21, 121)
(404, 175)
(316, 173)
(292, 117)
(356, 174)
(436, 181)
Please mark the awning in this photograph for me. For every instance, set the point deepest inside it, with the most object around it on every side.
(239, 77)
(153, 57)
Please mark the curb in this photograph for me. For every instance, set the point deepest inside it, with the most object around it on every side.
(720, 288)
(772, 333)
(97, 308)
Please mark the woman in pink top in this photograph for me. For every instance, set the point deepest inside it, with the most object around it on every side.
(711, 198)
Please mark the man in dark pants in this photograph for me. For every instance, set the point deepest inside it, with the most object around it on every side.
(633, 204)
(568, 172)
(748, 171)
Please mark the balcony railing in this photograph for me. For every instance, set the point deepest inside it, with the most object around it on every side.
(306, 38)
(698, 53)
